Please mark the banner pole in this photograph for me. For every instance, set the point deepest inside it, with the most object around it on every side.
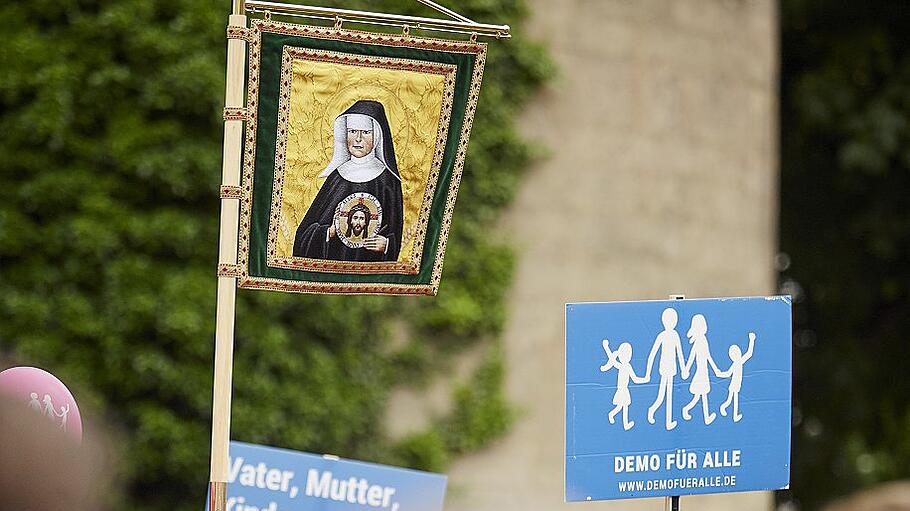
(370, 17)
(227, 256)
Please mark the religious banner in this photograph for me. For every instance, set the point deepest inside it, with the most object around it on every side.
(354, 148)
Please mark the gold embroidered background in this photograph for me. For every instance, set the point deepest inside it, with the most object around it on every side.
(320, 91)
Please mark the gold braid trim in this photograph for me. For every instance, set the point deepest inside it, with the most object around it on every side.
(302, 286)
(229, 270)
(473, 95)
(234, 113)
(241, 33)
(231, 192)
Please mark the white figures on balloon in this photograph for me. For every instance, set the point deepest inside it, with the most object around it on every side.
(49, 411)
(64, 411)
(34, 404)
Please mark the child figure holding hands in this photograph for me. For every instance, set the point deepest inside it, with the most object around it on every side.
(622, 399)
(735, 373)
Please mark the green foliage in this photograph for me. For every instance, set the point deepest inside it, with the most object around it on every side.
(110, 114)
(481, 413)
(844, 223)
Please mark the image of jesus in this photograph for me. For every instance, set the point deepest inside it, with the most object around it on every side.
(358, 221)
(363, 161)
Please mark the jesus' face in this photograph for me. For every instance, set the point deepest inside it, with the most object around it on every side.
(358, 223)
(360, 142)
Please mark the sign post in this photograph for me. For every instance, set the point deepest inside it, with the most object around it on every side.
(672, 503)
(677, 397)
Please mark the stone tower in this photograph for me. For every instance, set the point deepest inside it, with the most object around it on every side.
(662, 179)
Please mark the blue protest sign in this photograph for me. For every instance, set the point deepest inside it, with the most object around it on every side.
(270, 479)
(677, 397)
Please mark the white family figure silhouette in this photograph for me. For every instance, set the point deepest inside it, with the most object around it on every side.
(668, 344)
(701, 355)
(64, 411)
(34, 404)
(622, 399)
(49, 411)
(735, 373)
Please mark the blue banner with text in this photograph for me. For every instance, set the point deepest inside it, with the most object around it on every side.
(271, 479)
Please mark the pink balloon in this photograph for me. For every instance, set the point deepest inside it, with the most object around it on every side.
(42, 393)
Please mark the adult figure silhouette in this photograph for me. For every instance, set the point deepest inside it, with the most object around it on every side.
(34, 404)
(667, 342)
(701, 356)
(49, 410)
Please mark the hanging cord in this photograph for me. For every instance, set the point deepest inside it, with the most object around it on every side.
(448, 12)
(456, 26)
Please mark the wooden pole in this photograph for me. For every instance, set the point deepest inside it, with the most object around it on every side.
(227, 259)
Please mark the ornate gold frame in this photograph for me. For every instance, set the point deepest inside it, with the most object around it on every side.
(289, 55)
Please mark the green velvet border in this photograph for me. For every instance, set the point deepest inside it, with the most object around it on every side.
(264, 173)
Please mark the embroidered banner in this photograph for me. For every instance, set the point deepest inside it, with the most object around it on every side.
(354, 148)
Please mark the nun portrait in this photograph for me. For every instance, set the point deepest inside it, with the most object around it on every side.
(363, 170)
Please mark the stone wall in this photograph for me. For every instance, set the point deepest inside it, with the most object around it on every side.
(662, 178)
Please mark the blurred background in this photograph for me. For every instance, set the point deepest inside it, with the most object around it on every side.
(622, 150)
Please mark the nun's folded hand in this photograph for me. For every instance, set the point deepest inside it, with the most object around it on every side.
(332, 232)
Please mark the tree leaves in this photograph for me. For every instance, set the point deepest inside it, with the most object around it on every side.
(844, 113)
(110, 114)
